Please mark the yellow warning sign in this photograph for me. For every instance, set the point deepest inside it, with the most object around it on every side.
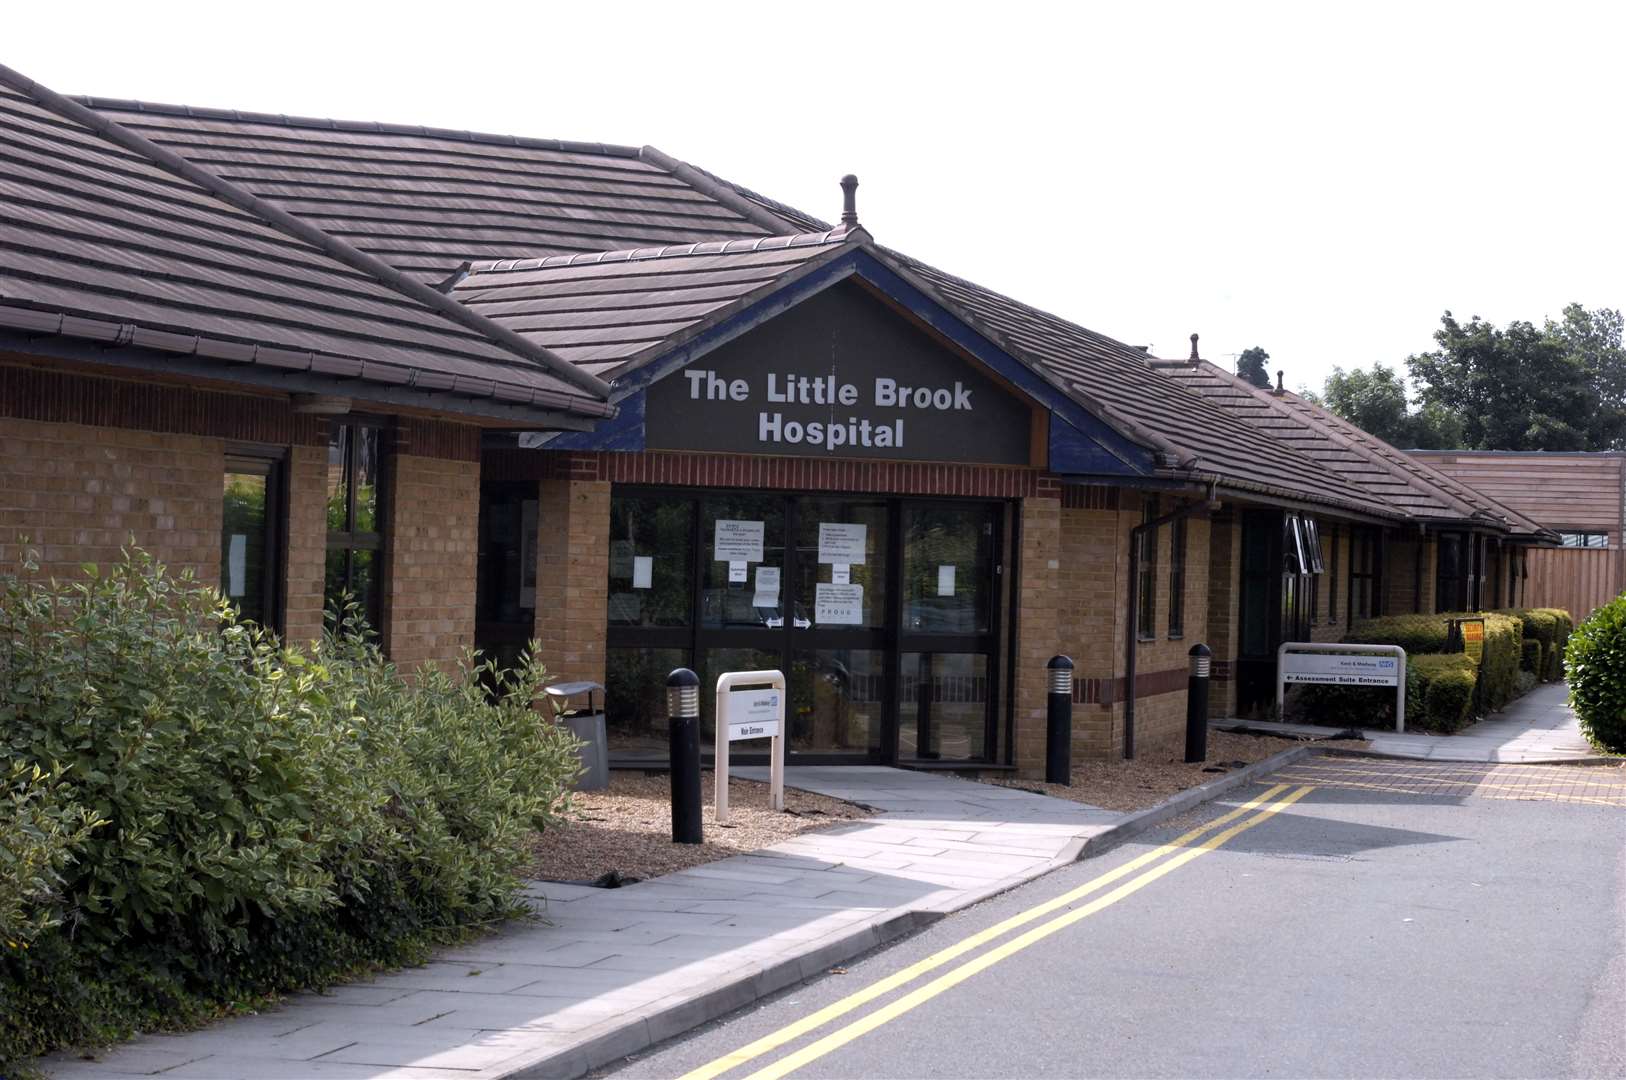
(1473, 638)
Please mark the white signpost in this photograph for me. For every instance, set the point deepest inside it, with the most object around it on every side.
(754, 713)
(1337, 664)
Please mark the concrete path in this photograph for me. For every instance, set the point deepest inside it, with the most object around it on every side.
(1539, 727)
(611, 971)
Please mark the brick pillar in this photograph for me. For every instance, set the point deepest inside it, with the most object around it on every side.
(431, 560)
(572, 577)
(1224, 609)
(306, 558)
(1039, 603)
(1092, 563)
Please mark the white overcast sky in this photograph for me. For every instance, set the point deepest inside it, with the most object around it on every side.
(1323, 180)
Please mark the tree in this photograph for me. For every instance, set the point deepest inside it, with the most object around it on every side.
(1376, 402)
(1593, 339)
(1251, 366)
(1518, 388)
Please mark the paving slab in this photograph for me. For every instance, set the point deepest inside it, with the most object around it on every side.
(1537, 728)
(604, 972)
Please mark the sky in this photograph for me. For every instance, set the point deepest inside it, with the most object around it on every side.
(1320, 180)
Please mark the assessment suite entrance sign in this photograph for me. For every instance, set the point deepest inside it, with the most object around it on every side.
(840, 375)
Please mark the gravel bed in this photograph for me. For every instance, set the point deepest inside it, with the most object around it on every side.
(628, 829)
(1148, 780)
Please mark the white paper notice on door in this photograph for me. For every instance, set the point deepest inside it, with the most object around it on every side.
(945, 580)
(236, 564)
(767, 593)
(643, 571)
(841, 574)
(842, 541)
(737, 541)
(838, 605)
(737, 572)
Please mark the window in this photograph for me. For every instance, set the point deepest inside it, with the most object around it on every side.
(1177, 578)
(1147, 601)
(355, 522)
(1365, 575)
(1584, 539)
(1454, 572)
(251, 538)
(1332, 580)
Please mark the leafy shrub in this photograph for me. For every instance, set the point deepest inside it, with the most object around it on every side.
(39, 827)
(1595, 663)
(1504, 637)
(1551, 627)
(1442, 690)
(1417, 634)
(265, 819)
(1532, 658)
(1528, 681)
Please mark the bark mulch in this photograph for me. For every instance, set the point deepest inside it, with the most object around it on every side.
(1149, 779)
(627, 830)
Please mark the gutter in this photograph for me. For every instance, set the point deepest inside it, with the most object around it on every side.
(338, 249)
(1132, 629)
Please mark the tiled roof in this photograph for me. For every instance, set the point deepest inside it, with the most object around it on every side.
(1385, 473)
(601, 254)
(601, 310)
(101, 239)
(428, 200)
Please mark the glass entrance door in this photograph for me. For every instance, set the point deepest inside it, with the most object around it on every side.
(883, 614)
(948, 632)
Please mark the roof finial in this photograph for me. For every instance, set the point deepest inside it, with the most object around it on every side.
(1194, 356)
(849, 201)
(1279, 388)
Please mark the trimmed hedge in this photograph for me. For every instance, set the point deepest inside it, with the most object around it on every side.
(1595, 662)
(1551, 627)
(226, 819)
(1532, 658)
(1499, 674)
(1417, 634)
(1442, 691)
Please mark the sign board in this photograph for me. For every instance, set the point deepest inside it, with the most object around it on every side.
(839, 375)
(753, 714)
(1333, 669)
(755, 711)
(1473, 638)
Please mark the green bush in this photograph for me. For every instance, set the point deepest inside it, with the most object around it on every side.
(1499, 673)
(1417, 634)
(1595, 663)
(1551, 627)
(240, 820)
(1441, 690)
(1532, 658)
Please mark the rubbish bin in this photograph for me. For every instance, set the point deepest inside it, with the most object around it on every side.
(588, 726)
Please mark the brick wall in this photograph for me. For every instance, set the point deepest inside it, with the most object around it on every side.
(1224, 608)
(1042, 607)
(306, 561)
(430, 559)
(1401, 595)
(572, 577)
(80, 492)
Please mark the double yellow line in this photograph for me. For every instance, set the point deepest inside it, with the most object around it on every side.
(1187, 848)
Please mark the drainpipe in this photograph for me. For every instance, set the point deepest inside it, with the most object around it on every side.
(1133, 635)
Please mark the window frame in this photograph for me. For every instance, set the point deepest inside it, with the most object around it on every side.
(1177, 579)
(272, 463)
(349, 540)
(1146, 602)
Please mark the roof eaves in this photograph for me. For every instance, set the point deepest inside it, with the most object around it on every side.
(322, 241)
(34, 321)
(1175, 455)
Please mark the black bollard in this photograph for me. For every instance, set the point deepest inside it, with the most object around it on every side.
(1197, 703)
(1058, 760)
(683, 711)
